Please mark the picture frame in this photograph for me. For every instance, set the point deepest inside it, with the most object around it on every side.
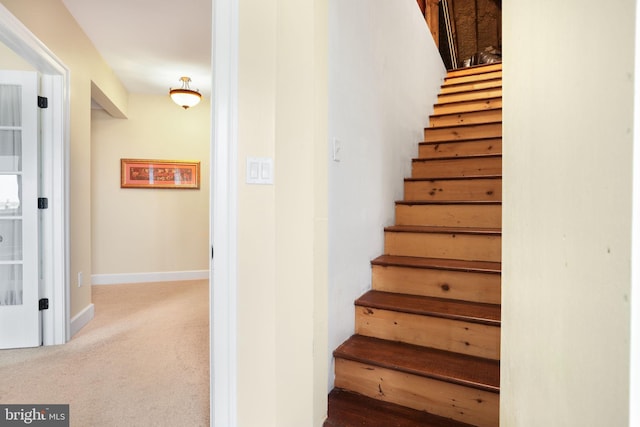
(151, 173)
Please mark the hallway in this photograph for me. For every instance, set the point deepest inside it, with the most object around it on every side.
(143, 360)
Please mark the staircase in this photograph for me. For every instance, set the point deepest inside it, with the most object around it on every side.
(427, 346)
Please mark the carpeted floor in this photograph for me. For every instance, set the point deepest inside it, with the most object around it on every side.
(142, 361)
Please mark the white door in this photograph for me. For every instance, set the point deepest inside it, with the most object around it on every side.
(19, 315)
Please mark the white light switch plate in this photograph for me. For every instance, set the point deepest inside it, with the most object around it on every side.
(259, 170)
(337, 148)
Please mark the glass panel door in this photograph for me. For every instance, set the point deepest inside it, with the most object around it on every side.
(19, 287)
(11, 261)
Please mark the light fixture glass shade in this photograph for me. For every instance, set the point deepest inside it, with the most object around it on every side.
(185, 96)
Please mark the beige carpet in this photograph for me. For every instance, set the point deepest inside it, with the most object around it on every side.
(142, 361)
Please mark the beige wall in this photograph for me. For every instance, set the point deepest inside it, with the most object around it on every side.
(50, 21)
(282, 235)
(146, 230)
(9, 60)
(256, 216)
(568, 129)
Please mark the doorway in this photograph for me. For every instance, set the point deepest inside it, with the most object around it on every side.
(53, 174)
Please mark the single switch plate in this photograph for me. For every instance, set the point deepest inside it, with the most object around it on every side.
(259, 170)
(337, 147)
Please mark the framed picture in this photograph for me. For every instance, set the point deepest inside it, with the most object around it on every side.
(145, 173)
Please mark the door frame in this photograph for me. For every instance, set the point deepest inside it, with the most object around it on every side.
(634, 358)
(55, 84)
(224, 214)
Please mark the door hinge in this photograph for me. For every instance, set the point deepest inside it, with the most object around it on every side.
(43, 304)
(43, 203)
(43, 102)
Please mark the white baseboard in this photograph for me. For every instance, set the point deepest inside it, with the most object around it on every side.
(81, 319)
(161, 276)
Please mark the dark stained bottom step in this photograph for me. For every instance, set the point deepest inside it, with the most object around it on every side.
(347, 409)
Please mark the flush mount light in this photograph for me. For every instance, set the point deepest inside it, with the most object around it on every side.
(185, 96)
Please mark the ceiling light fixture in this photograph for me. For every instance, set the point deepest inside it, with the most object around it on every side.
(185, 96)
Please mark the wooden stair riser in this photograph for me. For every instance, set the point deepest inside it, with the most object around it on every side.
(476, 117)
(470, 95)
(456, 133)
(466, 87)
(467, 106)
(454, 189)
(461, 149)
(464, 166)
(472, 247)
(428, 282)
(472, 78)
(486, 216)
(475, 71)
(456, 336)
(466, 404)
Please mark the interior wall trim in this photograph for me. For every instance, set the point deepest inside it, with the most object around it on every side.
(81, 319)
(224, 213)
(158, 276)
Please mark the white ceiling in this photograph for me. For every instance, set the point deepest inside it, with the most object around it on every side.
(150, 44)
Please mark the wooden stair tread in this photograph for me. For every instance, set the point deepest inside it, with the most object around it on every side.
(464, 126)
(448, 202)
(443, 230)
(463, 131)
(452, 106)
(475, 69)
(459, 148)
(458, 141)
(348, 409)
(490, 79)
(466, 156)
(467, 187)
(438, 263)
(467, 117)
(483, 374)
(483, 101)
(452, 87)
(476, 112)
(483, 93)
(492, 82)
(486, 314)
(493, 74)
(492, 176)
